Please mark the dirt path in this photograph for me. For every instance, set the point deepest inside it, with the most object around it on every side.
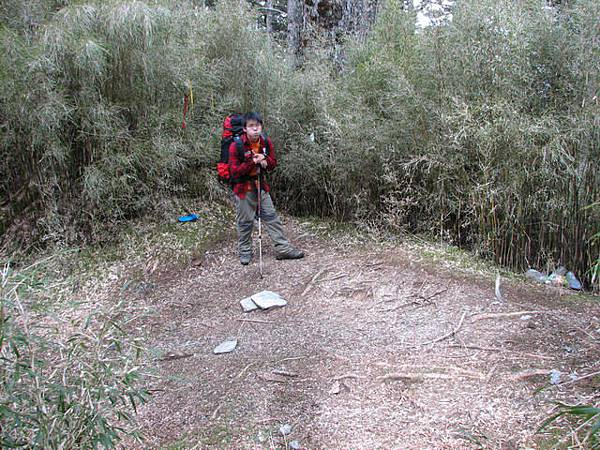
(376, 349)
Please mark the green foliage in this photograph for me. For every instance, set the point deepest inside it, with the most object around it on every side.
(63, 385)
(587, 420)
(482, 130)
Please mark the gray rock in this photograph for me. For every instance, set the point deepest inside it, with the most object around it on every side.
(285, 429)
(225, 347)
(268, 299)
(294, 445)
(248, 305)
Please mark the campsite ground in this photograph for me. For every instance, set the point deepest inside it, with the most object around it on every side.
(385, 342)
(395, 344)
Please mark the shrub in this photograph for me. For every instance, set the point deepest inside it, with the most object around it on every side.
(63, 389)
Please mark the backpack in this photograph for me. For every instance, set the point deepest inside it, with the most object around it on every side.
(233, 127)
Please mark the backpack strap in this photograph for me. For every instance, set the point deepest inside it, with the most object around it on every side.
(239, 146)
(267, 148)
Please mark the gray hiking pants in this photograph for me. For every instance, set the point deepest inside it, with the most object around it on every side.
(246, 212)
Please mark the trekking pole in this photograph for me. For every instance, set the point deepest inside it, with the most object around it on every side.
(258, 194)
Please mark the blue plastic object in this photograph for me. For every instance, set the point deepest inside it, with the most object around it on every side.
(573, 281)
(188, 218)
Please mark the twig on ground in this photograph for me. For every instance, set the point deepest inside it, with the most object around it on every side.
(335, 277)
(174, 356)
(348, 375)
(429, 297)
(216, 412)
(415, 303)
(293, 358)
(447, 335)
(490, 373)
(477, 317)
(589, 375)
(529, 373)
(253, 320)
(499, 349)
(284, 373)
(374, 264)
(268, 419)
(397, 376)
(266, 376)
(313, 280)
(245, 368)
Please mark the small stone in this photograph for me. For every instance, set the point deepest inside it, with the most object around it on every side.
(225, 347)
(555, 376)
(525, 317)
(268, 299)
(285, 429)
(335, 389)
(248, 305)
(261, 437)
(295, 445)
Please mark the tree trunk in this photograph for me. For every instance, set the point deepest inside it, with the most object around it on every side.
(295, 13)
(311, 22)
(269, 16)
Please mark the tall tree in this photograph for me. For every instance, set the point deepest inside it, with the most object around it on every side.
(295, 13)
(329, 20)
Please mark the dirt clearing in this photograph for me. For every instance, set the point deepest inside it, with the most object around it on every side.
(377, 348)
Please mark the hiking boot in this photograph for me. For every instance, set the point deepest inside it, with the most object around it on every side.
(291, 253)
(245, 259)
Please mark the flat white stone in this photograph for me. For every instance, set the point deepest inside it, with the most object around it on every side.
(285, 429)
(248, 304)
(268, 299)
(225, 347)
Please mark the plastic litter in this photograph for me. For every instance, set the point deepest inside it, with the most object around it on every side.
(535, 275)
(555, 376)
(574, 283)
(560, 277)
(188, 218)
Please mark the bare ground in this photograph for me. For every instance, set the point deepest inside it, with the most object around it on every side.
(378, 348)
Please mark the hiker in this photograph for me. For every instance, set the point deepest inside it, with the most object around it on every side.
(247, 169)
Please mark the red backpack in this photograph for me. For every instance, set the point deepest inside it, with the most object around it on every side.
(233, 127)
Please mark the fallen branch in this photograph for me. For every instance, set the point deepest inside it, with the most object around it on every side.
(266, 376)
(348, 375)
(284, 373)
(413, 377)
(335, 277)
(397, 307)
(447, 335)
(530, 373)
(293, 358)
(215, 412)
(313, 280)
(174, 356)
(245, 368)
(429, 297)
(501, 315)
(252, 320)
(589, 375)
(499, 349)
(268, 419)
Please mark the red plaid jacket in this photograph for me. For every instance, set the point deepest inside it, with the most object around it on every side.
(239, 170)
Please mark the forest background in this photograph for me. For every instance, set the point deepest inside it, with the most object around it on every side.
(481, 129)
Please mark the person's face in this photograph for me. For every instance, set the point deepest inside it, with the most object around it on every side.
(253, 129)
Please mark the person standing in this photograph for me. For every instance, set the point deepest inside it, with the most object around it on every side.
(247, 168)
